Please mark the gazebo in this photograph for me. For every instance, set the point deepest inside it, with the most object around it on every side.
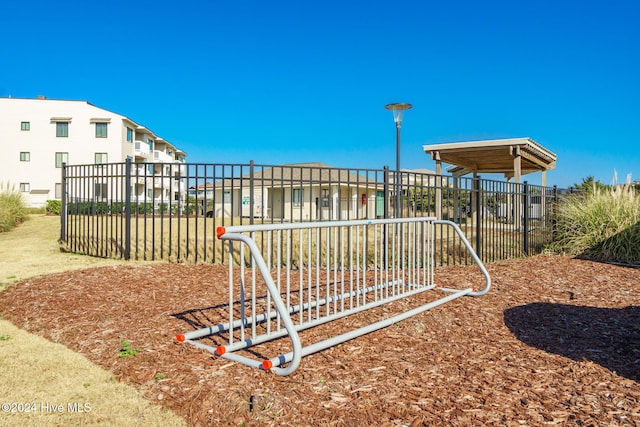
(512, 157)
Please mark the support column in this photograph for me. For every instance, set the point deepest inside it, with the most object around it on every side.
(454, 211)
(474, 196)
(335, 203)
(543, 197)
(517, 175)
(436, 156)
(509, 202)
(517, 164)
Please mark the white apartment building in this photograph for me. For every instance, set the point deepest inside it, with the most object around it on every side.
(38, 135)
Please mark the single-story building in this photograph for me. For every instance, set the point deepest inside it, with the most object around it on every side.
(295, 192)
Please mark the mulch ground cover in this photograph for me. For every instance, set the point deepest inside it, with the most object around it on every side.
(555, 342)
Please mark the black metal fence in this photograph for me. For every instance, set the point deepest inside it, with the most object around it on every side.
(170, 211)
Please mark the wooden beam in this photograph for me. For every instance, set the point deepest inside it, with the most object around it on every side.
(460, 171)
(534, 159)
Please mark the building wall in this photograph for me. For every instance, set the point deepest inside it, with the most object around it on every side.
(277, 203)
(42, 144)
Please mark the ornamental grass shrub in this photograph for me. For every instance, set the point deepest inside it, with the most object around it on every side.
(601, 224)
(12, 207)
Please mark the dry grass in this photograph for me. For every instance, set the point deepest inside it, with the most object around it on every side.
(37, 371)
(50, 383)
(152, 238)
(193, 240)
(32, 250)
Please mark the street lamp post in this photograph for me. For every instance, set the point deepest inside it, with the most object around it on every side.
(398, 110)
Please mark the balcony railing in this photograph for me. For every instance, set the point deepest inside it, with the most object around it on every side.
(141, 149)
(161, 156)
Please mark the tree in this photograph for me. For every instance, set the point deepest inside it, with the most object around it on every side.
(589, 184)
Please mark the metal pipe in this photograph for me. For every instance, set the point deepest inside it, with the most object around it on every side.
(409, 271)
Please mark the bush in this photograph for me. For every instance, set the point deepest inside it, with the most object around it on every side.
(602, 224)
(53, 207)
(12, 207)
(142, 208)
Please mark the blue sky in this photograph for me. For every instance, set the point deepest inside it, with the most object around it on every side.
(296, 81)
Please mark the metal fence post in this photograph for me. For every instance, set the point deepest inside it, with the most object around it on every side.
(251, 188)
(386, 192)
(386, 211)
(127, 209)
(478, 218)
(525, 220)
(554, 207)
(63, 204)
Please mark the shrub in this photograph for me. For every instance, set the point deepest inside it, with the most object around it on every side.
(602, 224)
(53, 207)
(12, 207)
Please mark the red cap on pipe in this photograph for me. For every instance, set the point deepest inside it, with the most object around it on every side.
(220, 231)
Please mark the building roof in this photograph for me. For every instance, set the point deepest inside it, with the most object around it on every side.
(302, 173)
(314, 173)
(493, 156)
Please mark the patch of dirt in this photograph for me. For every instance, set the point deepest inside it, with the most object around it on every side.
(555, 341)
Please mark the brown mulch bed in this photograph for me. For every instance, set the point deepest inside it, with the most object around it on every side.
(555, 341)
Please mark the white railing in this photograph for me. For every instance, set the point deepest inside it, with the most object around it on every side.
(162, 157)
(141, 148)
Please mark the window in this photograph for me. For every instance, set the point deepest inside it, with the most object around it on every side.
(25, 156)
(62, 129)
(26, 126)
(101, 130)
(100, 191)
(226, 196)
(61, 158)
(325, 198)
(129, 135)
(25, 187)
(298, 197)
(58, 190)
(101, 158)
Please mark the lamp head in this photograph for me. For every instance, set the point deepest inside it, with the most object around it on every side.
(398, 110)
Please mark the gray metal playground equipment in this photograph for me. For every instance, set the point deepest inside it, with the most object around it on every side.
(301, 275)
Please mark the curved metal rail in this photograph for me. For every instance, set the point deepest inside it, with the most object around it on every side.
(398, 254)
